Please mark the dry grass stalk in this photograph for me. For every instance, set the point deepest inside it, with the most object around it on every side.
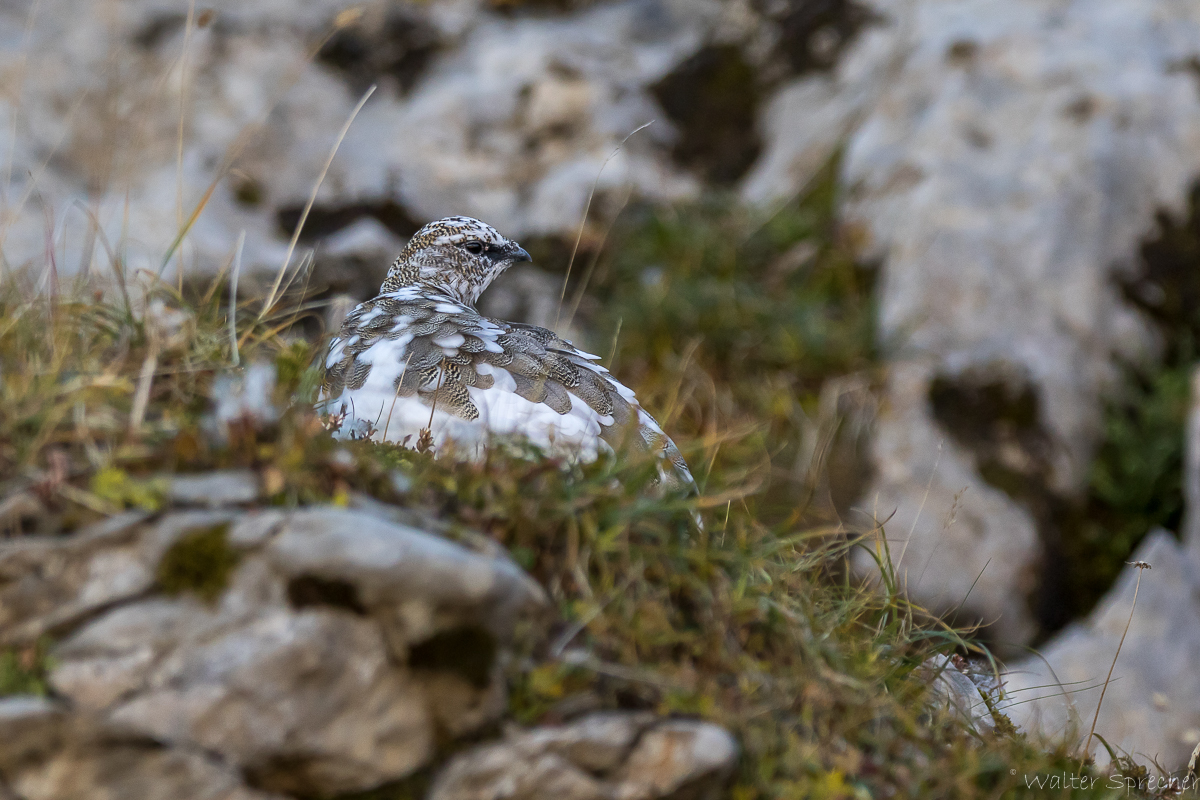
(244, 137)
(312, 199)
(233, 290)
(591, 267)
(183, 101)
(141, 398)
(583, 222)
(1139, 565)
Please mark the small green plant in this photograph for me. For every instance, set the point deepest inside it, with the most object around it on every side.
(115, 486)
(199, 563)
(1135, 483)
(24, 670)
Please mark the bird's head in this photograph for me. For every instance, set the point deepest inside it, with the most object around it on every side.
(460, 256)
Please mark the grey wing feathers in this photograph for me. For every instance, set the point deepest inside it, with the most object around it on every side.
(443, 352)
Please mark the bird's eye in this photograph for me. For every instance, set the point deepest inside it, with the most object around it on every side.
(475, 248)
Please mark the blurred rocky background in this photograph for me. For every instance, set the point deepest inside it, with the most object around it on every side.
(1014, 183)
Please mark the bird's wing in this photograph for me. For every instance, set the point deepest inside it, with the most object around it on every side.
(453, 359)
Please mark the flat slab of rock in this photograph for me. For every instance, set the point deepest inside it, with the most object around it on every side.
(603, 756)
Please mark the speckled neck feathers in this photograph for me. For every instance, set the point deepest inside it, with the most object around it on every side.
(455, 256)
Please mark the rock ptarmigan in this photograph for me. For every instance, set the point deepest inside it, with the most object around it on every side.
(419, 358)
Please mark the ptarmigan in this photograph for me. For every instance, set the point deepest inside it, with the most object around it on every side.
(420, 357)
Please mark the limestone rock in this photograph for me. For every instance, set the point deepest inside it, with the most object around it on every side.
(515, 125)
(677, 759)
(956, 542)
(255, 527)
(605, 756)
(298, 700)
(47, 583)
(506, 117)
(808, 117)
(1148, 707)
(961, 687)
(134, 770)
(50, 753)
(419, 584)
(352, 261)
(1004, 161)
(342, 645)
(31, 729)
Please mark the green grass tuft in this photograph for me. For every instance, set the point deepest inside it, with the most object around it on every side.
(730, 325)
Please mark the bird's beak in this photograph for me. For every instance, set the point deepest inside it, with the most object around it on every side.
(517, 254)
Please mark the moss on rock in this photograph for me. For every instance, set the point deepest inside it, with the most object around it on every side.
(199, 563)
